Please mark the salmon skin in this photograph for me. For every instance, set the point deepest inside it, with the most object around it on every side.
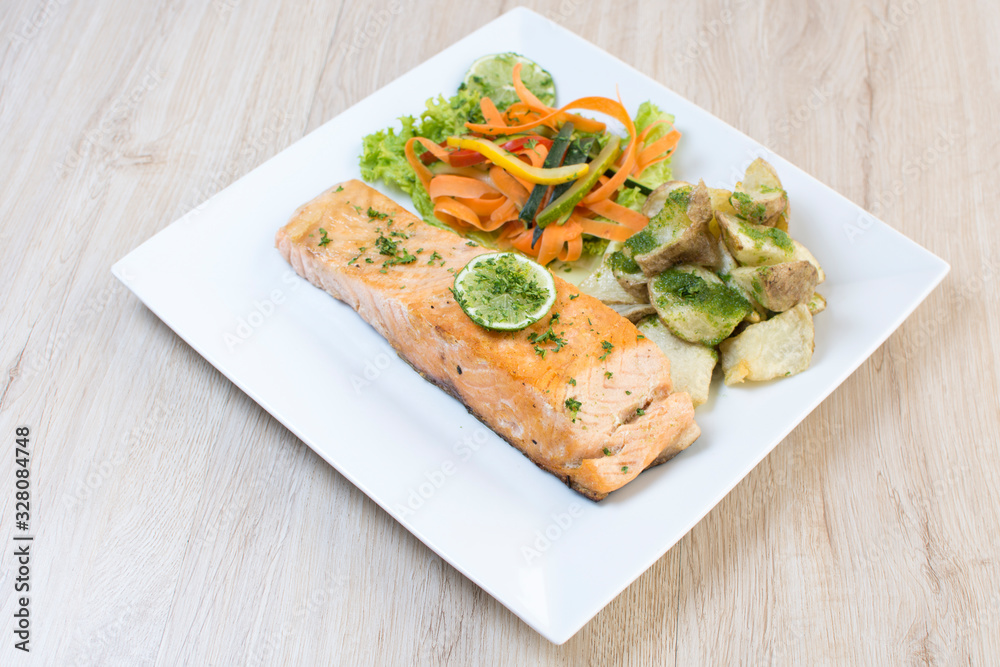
(595, 412)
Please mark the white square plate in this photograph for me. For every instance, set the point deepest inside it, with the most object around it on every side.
(552, 557)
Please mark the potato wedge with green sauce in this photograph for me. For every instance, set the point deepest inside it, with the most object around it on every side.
(779, 347)
(726, 266)
(817, 304)
(778, 287)
(696, 305)
(629, 275)
(633, 312)
(802, 253)
(759, 197)
(755, 245)
(691, 364)
(602, 284)
(677, 232)
(719, 198)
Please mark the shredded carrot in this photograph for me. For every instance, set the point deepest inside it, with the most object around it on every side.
(520, 238)
(605, 230)
(661, 145)
(535, 104)
(645, 133)
(490, 112)
(484, 206)
(504, 213)
(536, 156)
(621, 214)
(449, 185)
(457, 210)
(588, 103)
(555, 237)
(509, 186)
(617, 111)
(574, 244)
(419, 168)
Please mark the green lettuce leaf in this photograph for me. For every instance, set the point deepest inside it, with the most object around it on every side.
(631, 198)
(648, 114)
(382, 156)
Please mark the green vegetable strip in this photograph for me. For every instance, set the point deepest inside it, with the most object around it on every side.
(578, 152)
(560, 208)
(553, 159)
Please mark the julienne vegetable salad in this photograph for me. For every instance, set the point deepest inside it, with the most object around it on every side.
(497, 163)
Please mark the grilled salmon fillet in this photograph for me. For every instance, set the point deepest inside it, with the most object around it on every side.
(595, 412)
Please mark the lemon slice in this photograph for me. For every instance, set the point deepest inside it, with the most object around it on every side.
(504, 291)
(493, 76)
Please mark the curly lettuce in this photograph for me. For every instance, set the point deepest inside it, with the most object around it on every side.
(631, 198)
(648, 114)
(382, 156)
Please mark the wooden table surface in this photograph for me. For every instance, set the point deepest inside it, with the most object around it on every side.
(176, 522)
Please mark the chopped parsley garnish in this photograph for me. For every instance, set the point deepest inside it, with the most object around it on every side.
(640, 411)
(530, 143)
(395, 253)
(376, 215)
(572, 381)
(361, 251)
(385, 245)
(573, 406)
(769, 235)
(607, 349)
(472, 243)
(607, 452)
(434, 257)
(548, 337)
(608, 374)
(356, 208)
(624, 468)
(323, 239)
(747, 209)
(628, 393)
(573, 296)
(340, 188)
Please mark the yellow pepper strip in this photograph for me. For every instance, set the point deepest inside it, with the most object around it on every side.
(515, 166)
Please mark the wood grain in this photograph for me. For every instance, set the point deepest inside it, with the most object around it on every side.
(178, 523)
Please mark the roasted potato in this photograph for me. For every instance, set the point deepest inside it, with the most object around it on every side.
(802, 253)
(755, 245)
(696, 305)
(817, 304)
(778, 287)
(691, 364)
(603, 285)
(779, 347)
(629, 275)
(658, 197)
(633, 312)
(678, 229)
(759, 197)
(726, 266)
(720, 202)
